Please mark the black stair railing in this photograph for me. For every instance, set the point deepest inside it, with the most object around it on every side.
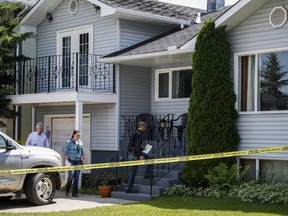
(154, 135)
(166, 142)
(174, 147)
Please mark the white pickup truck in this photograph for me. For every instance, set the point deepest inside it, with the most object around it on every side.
(39, 188)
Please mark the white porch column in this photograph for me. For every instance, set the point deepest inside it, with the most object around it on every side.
(79, 116)
(79, 125)
(33, 119)
(257, 169)
(16, 124)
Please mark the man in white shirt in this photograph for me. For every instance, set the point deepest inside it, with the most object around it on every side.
(38, 138)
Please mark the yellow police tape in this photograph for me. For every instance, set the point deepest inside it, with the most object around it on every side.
(145, 162)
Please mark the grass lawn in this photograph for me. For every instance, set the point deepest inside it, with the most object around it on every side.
(180, 206)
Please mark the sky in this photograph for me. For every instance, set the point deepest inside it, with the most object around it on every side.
(196, 3)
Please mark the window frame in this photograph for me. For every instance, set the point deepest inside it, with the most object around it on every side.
(237, 80)
(170, 72)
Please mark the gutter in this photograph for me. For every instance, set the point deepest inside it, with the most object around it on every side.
(22, 11)
(120, 59)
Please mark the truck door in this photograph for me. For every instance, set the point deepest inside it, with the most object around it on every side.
(9, 160)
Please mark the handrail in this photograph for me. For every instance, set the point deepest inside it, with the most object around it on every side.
(167, 145)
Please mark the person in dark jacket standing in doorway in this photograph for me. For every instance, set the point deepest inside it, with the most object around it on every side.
(135, 149)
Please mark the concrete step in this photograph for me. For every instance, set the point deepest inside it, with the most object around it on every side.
(163, 182)
(145, 189)
(131, 196)
(171, 175)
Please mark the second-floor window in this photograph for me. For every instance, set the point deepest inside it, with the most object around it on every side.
(69, 43)
(173, 83)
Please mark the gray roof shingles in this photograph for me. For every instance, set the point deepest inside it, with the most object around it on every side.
(156, 7)
(177, 38)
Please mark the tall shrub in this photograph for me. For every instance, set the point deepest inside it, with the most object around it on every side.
(212, 116)
(9, 40)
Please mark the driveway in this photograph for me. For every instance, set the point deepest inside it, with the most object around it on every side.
(60, 203)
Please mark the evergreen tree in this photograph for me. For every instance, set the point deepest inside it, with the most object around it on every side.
(9, 40)
(212, 116)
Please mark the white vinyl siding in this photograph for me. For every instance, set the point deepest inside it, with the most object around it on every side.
(255, 34)
(263, 131)
(103, 123)
(104, 32)
(134, 90)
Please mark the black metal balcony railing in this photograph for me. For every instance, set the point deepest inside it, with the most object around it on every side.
(75, 71)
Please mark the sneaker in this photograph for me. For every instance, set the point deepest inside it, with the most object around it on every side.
(75, 195)
(67, 193)
(129, 191)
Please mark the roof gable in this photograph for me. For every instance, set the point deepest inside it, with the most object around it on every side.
(148, 10)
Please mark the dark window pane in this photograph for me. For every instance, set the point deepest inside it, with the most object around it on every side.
(83, 59)
(273, 81)
(163, 85)
(66, 62)
(182, 83)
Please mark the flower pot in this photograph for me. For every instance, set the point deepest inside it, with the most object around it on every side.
(105, 191)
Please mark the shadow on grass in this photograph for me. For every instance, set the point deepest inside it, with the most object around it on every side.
(196, 203)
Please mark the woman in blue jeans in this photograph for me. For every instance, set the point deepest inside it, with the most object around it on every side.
(135, 153)
(74, 153)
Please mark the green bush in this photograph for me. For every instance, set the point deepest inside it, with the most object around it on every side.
(261, 192)
(247, 192)
(177, 190)
(224, 177)
(211, 125)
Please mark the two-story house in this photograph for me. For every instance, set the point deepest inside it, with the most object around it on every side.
(68, 87)
(102, 63)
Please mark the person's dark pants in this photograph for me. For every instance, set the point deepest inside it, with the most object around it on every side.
(73, 175)
(134, 169)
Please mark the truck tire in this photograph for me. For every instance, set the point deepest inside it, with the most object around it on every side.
(40, 188)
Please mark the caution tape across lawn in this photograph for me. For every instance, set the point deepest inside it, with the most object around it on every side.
(145, 162)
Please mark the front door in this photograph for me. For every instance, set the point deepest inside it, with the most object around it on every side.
(62, 128)
(74, 50)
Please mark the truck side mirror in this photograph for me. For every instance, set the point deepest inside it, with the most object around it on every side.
(10, 145)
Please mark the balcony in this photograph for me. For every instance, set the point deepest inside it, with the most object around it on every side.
(81, 73)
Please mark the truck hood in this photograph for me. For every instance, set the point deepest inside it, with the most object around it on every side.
(40, 150)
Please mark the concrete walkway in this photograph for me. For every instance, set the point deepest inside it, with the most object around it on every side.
(60, 203)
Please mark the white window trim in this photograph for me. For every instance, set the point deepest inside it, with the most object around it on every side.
(168, 70)
(237, 80)
(74, 33)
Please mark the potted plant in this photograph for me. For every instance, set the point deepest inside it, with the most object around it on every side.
(104, 188)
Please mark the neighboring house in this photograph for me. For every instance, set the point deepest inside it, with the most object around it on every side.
(257, 31)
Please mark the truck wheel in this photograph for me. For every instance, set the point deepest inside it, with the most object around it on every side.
(40, 189)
